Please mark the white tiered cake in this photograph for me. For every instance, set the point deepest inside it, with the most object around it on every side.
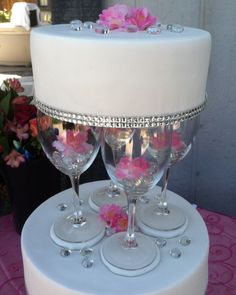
(120, 73)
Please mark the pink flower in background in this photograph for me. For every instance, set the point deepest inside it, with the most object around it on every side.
(73, 141)
(114, 216)
(142, 18)
(120, 16)
(14, 159)
(114, 17)
(20, 100)
(132, 169)
(15, 85)
(177, 143)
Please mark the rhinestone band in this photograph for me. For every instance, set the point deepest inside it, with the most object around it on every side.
(119, 122)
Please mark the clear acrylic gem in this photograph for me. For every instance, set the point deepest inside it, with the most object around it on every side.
(87, 262)
(185, 241)
(88, 25)
(86, 251)
(76, 25)
(177, 29)
(101, 29)
(154, 30)
(62, 206)
(175, 253)
(161, 242)
(65, 252)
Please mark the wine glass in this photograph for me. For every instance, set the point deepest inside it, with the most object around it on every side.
(111, 194)
(134, 169)
(72, 148)
(164, 219)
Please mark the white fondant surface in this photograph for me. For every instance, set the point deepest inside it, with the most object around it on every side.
(120, 73)
(46, 272)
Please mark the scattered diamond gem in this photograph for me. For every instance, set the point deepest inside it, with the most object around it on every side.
(154, 30)
(175, 253)
(101, 29)
(65, 252)
(88, 25)
(76, 25)
(87, 262)
(177, 29)
(86, 251)
(62, 206)
(185, 241)
(160, 242)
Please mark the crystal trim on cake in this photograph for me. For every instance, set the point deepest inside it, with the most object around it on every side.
(119, 122)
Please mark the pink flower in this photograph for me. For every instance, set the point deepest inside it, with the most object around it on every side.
(73, 141)
(114, 17)
(15, 85)
(114, 216)
(22, 131)
(14, 159)
(33, 127)
(177, 143)
(120, 16)
(132, 169)
(20, 100)
(122, 222)
(159, 142)
(142, 18)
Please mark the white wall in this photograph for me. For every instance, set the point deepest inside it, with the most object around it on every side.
(208, 174)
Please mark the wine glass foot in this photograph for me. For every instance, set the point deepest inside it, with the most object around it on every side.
(100, 197)
(134, 261)
(64, 234)
(169, 225)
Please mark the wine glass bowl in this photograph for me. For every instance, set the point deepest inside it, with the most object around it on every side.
(111, 194)
(135, 170)
(162, 218)
(71, 148)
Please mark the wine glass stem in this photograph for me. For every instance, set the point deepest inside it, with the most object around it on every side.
(162, 199)
(77, 215)
(130, 241)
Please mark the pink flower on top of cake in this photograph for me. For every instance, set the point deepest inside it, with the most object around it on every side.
(115, 17)
(120, 16)
(131, 169)
(114, 216)
(73, 141)
(142, 18)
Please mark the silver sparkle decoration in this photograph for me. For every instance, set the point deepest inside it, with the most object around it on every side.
(119, 122)
(61, 207)
(185, 241)
(175, 253)
(76, 25)
(99, 29)
(154, 30)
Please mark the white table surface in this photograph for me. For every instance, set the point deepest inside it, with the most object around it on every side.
(67, 273)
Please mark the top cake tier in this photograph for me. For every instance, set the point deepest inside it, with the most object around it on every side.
(120, 74)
